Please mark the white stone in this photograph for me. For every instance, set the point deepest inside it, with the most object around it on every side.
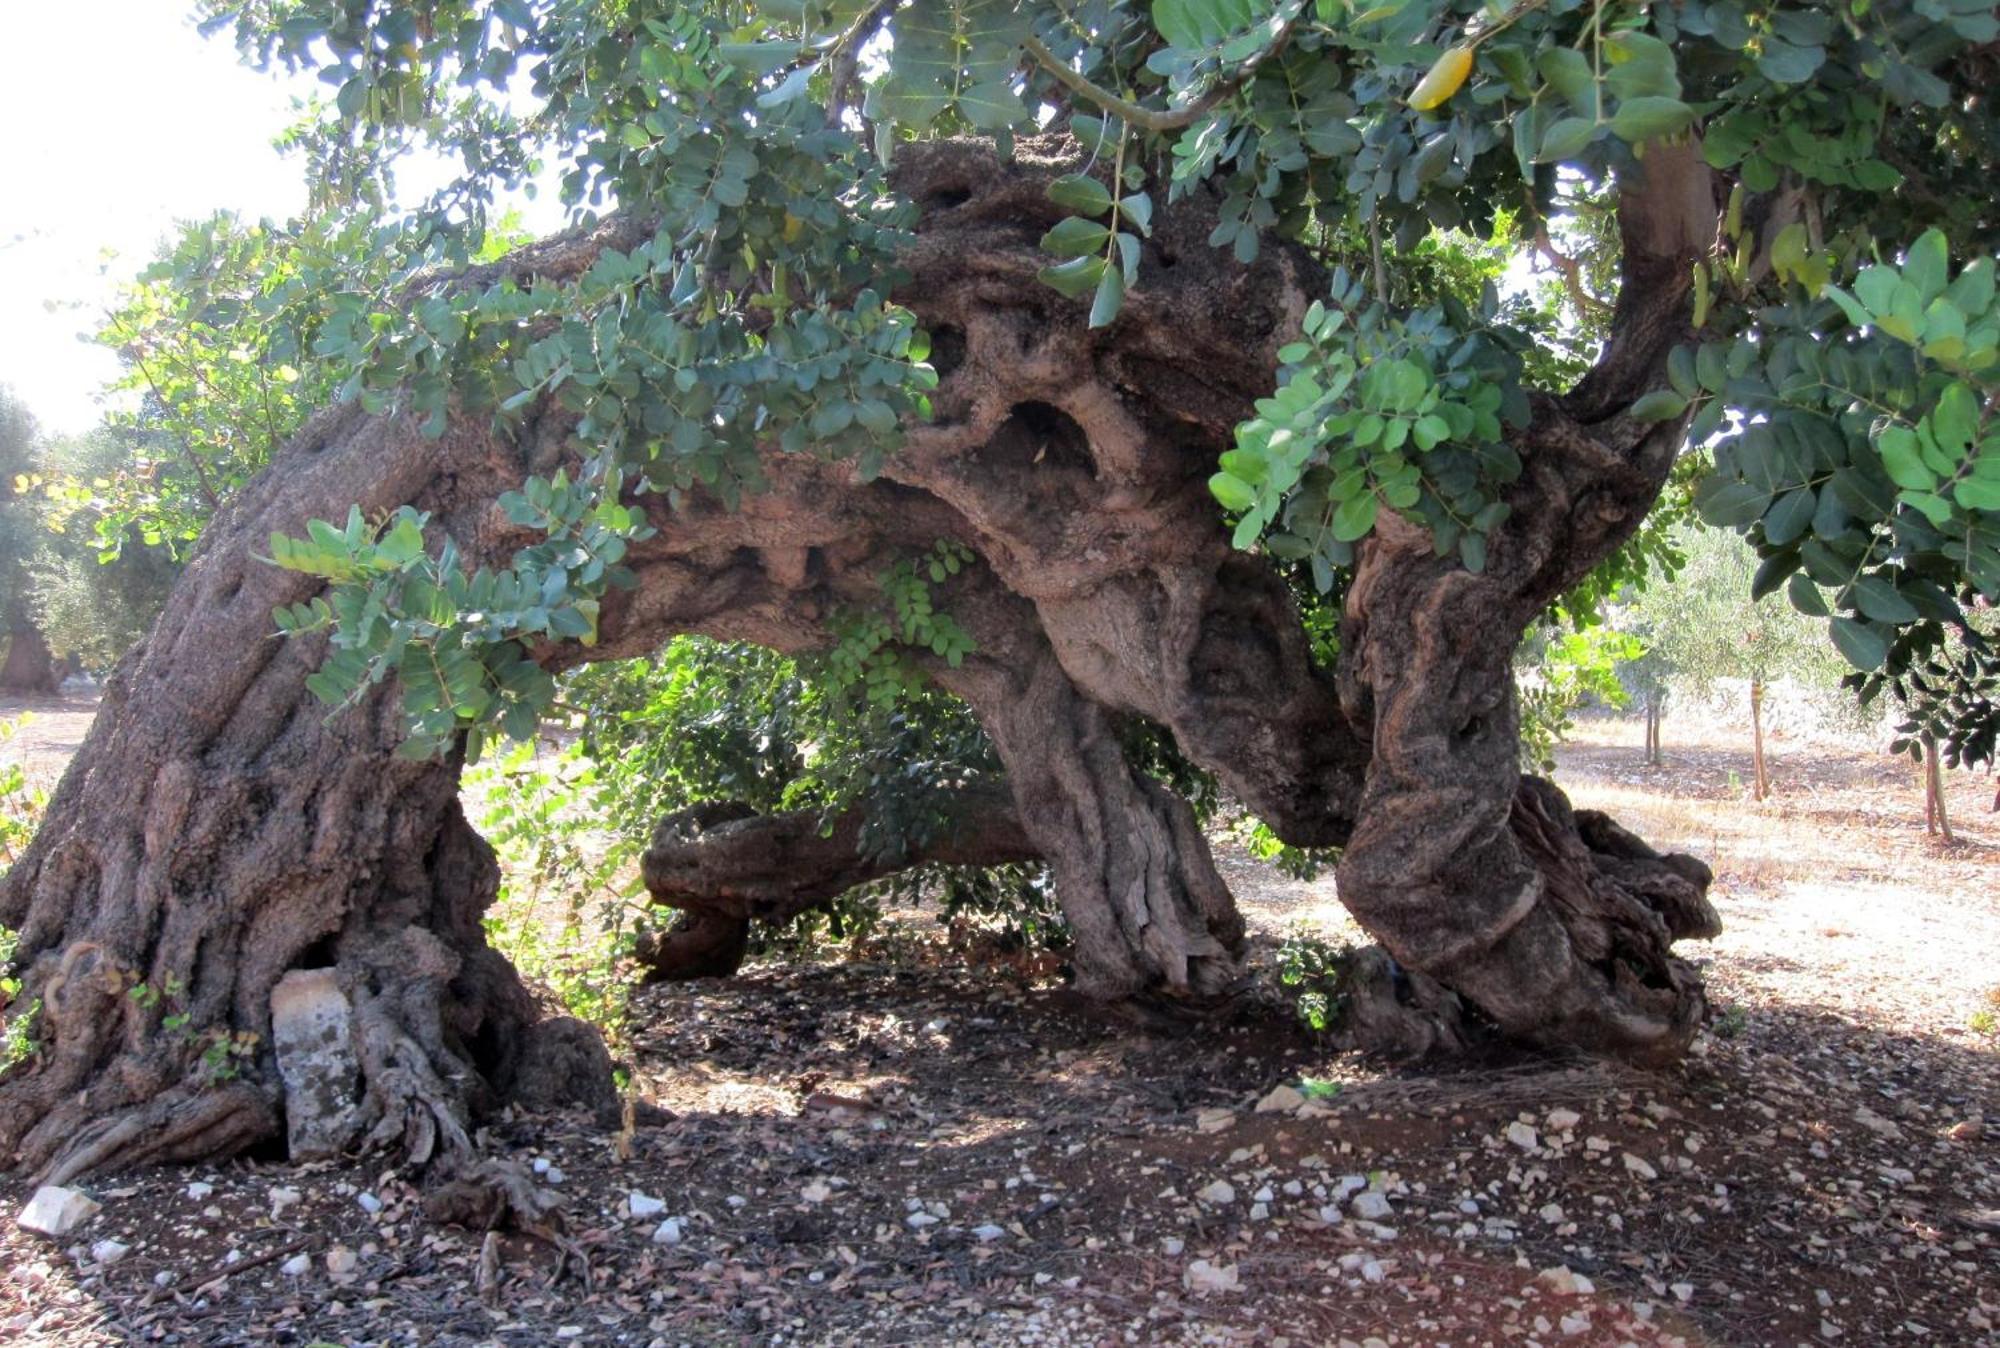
(1215, 1120)
(644, 1205)
(284, 1198)
(296, 1266)
(370, 1204)
(1563, 1282)
(1370, 1206)
(668, 1232)
(199, 1191)
(1173, 1244)
(988, 1232)
(1218, 1193)
(1562, 1120)
(1643, 1169)
(541, 1165)
(817, 1192)
(919, 1220)
(1280, 1100)
(109, 1251)
(55, 1211)
(312, 1034)
(342, 1262)
(1202, 1276)
(1523, 1135)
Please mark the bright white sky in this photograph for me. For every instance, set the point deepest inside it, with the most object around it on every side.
(116, 119)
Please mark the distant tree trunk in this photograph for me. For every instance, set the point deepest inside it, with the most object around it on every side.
(1655, 698)
(1937, 818)
(1761, 786)
(29, 666)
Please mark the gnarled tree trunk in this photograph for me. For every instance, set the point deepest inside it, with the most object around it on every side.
(219, 828)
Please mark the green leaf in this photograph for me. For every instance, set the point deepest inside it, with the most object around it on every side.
(1642, 66)
(1639, 120)
(1861, 645)
(992, 105)
(1074, 236)
(1782, 62)
(1110, 298)
(1659, 405)
(1084, 195)
(1233, 492)
(1568, 73)
(1877, 598)
(1076, 277)
(1354, 517)
(1927, 265)
(1903, 460)
(1565, 139)
(1805, 596)
(1789, 516)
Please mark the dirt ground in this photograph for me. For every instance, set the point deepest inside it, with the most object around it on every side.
(905, 1150)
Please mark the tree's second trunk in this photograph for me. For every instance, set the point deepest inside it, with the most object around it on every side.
(1653, 701)
(1761, 783)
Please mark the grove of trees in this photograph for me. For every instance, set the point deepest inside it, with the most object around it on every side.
(1055, 418)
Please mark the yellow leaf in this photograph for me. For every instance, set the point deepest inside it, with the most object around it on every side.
(1442, 80)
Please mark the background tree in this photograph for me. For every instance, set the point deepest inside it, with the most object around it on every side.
(841, 320)
(28, 666)
(94, 592)
(1707, 626)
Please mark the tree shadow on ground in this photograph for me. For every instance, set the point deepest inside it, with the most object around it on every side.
(864, 1154)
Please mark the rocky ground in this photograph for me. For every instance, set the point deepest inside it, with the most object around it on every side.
(905, 1149)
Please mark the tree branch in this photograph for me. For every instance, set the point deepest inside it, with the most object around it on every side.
(1152, 119)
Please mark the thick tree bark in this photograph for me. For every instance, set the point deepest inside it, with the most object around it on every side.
(219, 829)
(1460, 865)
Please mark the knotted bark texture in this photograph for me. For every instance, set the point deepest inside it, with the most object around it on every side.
(220, 828)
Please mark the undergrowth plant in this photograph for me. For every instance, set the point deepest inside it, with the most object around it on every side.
(21, 807)
(1313, 972)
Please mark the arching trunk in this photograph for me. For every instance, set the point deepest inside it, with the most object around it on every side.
(219, 829)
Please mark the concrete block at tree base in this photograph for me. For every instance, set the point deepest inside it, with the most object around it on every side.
(55, 1211)
(312, 1032)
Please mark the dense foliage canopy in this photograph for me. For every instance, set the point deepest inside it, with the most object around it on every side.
(1844, 373)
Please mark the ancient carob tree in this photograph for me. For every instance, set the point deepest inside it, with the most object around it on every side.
(1009, 344)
